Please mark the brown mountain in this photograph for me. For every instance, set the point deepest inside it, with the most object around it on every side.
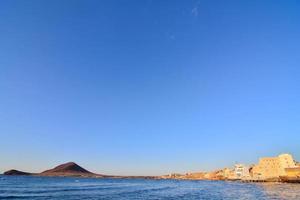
(14, 172)
(69, 169)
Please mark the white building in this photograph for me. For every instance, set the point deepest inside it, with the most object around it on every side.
(241, 171)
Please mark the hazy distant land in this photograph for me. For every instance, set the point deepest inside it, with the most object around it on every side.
(70, 169)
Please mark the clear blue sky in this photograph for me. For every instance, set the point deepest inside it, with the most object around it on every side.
(148, 87)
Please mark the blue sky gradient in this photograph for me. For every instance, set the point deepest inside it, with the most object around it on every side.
(148, 87)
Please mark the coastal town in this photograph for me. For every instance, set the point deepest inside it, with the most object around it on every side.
(282, 168)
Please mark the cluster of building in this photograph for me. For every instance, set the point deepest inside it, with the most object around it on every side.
(275, 167)
(280, 168)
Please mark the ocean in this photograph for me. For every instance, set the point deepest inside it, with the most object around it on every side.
(46, 188)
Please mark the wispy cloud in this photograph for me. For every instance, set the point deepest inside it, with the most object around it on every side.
(195, 11)
(170, 36)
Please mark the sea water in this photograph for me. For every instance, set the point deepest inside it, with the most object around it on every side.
(44, 188)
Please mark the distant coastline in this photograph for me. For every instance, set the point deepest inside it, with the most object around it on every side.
(70, 169)
(271, 169)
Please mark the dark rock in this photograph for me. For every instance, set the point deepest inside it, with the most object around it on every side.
(14, 172)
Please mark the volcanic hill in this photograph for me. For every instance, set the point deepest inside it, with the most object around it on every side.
(69, 169)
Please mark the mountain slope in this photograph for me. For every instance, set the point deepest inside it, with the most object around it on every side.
(69, 169)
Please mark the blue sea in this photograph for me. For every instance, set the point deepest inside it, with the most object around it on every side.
(42, 188)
